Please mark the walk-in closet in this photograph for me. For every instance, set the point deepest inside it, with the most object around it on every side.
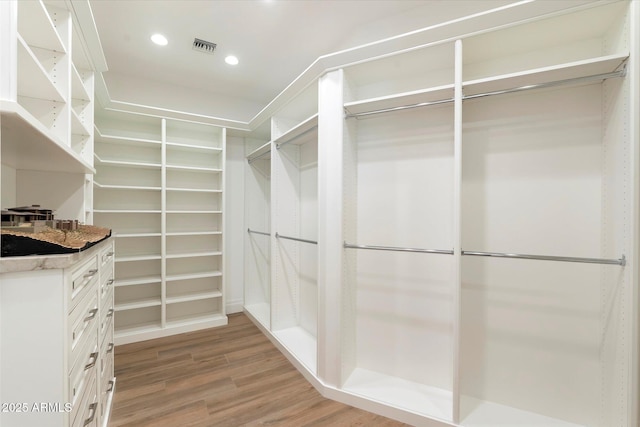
(438, 225)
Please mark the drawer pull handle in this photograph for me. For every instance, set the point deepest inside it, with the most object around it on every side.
(92, 408)
(110, 282)
(94, 358)
(110, 312)
(110, 347)
(90, 273)
(110, 254)
(111, 384)
(92, 314)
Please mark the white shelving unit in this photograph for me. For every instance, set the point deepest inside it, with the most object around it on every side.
(478, 193)
(257, 257)
(294, 192)
(399, 193)
(46, 101)
(160, 187)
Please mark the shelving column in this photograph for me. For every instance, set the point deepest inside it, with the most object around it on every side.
(193, 226)
(330, 221)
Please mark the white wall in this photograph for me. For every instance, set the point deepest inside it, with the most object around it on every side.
(8, 187)
(234, 225)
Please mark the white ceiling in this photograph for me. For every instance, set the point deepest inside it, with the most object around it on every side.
(275, 41)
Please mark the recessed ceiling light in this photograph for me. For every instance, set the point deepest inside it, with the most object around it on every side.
(231, 60)
(159, 39)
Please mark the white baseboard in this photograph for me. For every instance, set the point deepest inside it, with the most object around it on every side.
(235, 306)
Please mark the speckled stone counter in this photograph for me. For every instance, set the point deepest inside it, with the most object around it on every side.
(47, 262)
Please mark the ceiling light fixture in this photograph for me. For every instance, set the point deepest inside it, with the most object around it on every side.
(159, 39)
(231, 60)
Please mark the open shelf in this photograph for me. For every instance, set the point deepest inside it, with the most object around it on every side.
(188, 276)
(555, 73)
(193, 254)
(490, 414)
(193, 168)
(136, 304)
(138, 281)
(193, 296)
(192, 147)
(34, 80)
(411, 396)
(37, 28)
(29, 145)
(441, 93)
(263, 152)
(301, 344)
(259, 311)
(293, 135)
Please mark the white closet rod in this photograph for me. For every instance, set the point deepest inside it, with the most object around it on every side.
(297, 239)
(258, 232)
(595, 77)
(311, 129)
(622, 261)
(398, 249)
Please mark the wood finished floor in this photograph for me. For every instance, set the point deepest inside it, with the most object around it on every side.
(229, 376)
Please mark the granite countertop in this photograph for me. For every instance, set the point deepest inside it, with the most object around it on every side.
(47, 262)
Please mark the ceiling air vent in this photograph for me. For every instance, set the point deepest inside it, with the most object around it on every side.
(203, 46)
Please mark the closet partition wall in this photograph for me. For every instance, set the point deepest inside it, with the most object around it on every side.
(294, 228)
(545, 174)
(399, 202)
(257, 285)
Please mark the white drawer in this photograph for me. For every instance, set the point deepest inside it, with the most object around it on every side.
(106, 257)
(106, 286)
(82, 279)
(82, 321)
(83, 369)
(107, 347)
(106, 314)
(85, 414)
(106, 374)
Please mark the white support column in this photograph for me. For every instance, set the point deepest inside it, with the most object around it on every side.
(8, 47)
(330, 169)
(457, 227)
(633, 73)
(163, 224)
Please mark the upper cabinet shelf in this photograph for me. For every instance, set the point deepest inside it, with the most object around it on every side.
(34, 80)
(263, 152)
(47, 103)
(551, 74)
(293, 135)
(27, 144)
(440, 93)
(36, 27)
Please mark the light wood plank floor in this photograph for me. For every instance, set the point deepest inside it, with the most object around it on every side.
(229, 376)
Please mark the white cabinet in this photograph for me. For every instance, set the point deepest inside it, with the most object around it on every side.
(56, 331)
(475, 211)
(46, 100)
(159, 186)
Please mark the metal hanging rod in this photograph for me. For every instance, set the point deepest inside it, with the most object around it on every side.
(603, 76)
(397, 249)
(280, 236)
(622, 261)
(258, 232)
(595, 77)
(311, 129)
(400, 108)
